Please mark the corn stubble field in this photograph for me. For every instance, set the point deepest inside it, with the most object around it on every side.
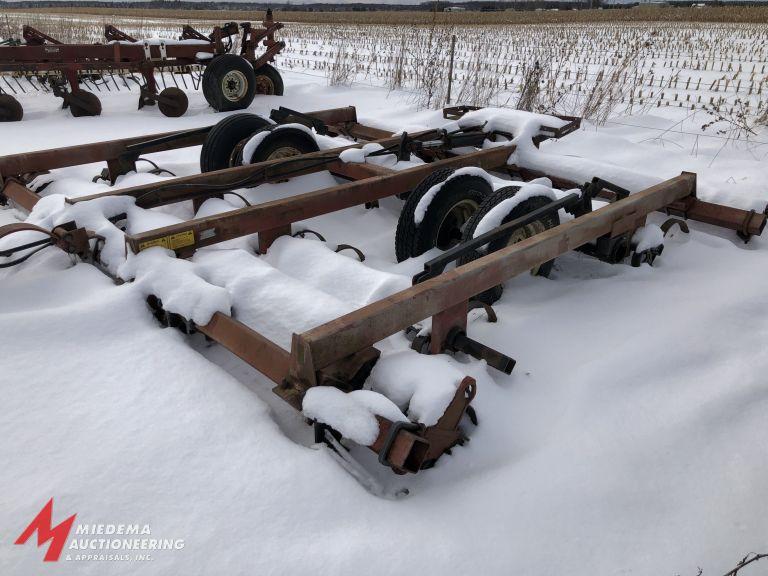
(555, 62)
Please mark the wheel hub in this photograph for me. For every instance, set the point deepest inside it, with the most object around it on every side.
(284, 152)
(450, 230)
(526, 232)
(264, 85)
(234, 85)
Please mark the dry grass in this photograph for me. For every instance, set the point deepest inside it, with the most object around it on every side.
(724, 14)
(591, 69)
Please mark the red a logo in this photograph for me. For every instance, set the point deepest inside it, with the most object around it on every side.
(42, 525)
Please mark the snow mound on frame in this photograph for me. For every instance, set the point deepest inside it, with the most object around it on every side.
(177, 283)
(349, 280)
(422, 386)
(538, 187)
(266, 299)
(423, 205)
(522, 125)
(352, 414)
(646, 237)
(258, 138)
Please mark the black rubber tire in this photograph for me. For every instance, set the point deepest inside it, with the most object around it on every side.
(84, 103)
(224, 137)
(10, 109)
(173, 102)
(551, 220)
(413, 240)
(279, 144)
(268, 81)
(237, 69)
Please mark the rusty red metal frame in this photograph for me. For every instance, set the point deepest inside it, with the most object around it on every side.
(278, 215)
(121, 155)
(42, 53)
(318, 351)
(342, 351)
(746, 223)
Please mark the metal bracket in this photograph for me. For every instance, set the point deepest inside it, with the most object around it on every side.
(394, 430)
(280, 115)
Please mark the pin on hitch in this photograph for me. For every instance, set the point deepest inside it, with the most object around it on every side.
(458, 341)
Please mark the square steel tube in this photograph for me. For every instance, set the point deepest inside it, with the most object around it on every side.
(271, 215)
(338, 338)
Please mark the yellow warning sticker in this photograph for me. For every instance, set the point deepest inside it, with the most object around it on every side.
(152, 243)
(181, 240)
(172, 242)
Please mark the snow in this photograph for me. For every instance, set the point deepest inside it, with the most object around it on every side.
(268, 300)
(496, 214)
(423, 386)
(353, 156)
(52, 211)
(647, 237)
(424, 202)
(522, 125)
(363, 155)
(353, 414)
(158, 272)
(258, 138)
(340, 274)
(608, 450)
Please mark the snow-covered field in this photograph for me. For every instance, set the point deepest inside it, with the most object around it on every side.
(594, 70)
(630, 438)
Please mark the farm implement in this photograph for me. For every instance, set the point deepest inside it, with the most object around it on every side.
(230, 75)
(484, 236)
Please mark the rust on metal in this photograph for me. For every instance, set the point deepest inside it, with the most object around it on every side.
(366, 326)
(272, 215)
(341, 353)
(19, 195)
(747, 223)
(42, 54)
(250, 175)
(444, 322)
(247, 344)
(40, 161)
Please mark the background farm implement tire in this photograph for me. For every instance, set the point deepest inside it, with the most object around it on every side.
(84, 103)
(219, 148)
(445, 217)
(173, 102)
(10, 109)
(229, 83)
(269, 81)
(549, 221)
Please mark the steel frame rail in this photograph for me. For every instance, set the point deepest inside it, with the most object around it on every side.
(322, 349)
(271, 219)
(746, 223)
(121, 154)
(341, 352)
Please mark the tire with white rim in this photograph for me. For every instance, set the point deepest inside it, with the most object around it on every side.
(516, 210)
(229, 83)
